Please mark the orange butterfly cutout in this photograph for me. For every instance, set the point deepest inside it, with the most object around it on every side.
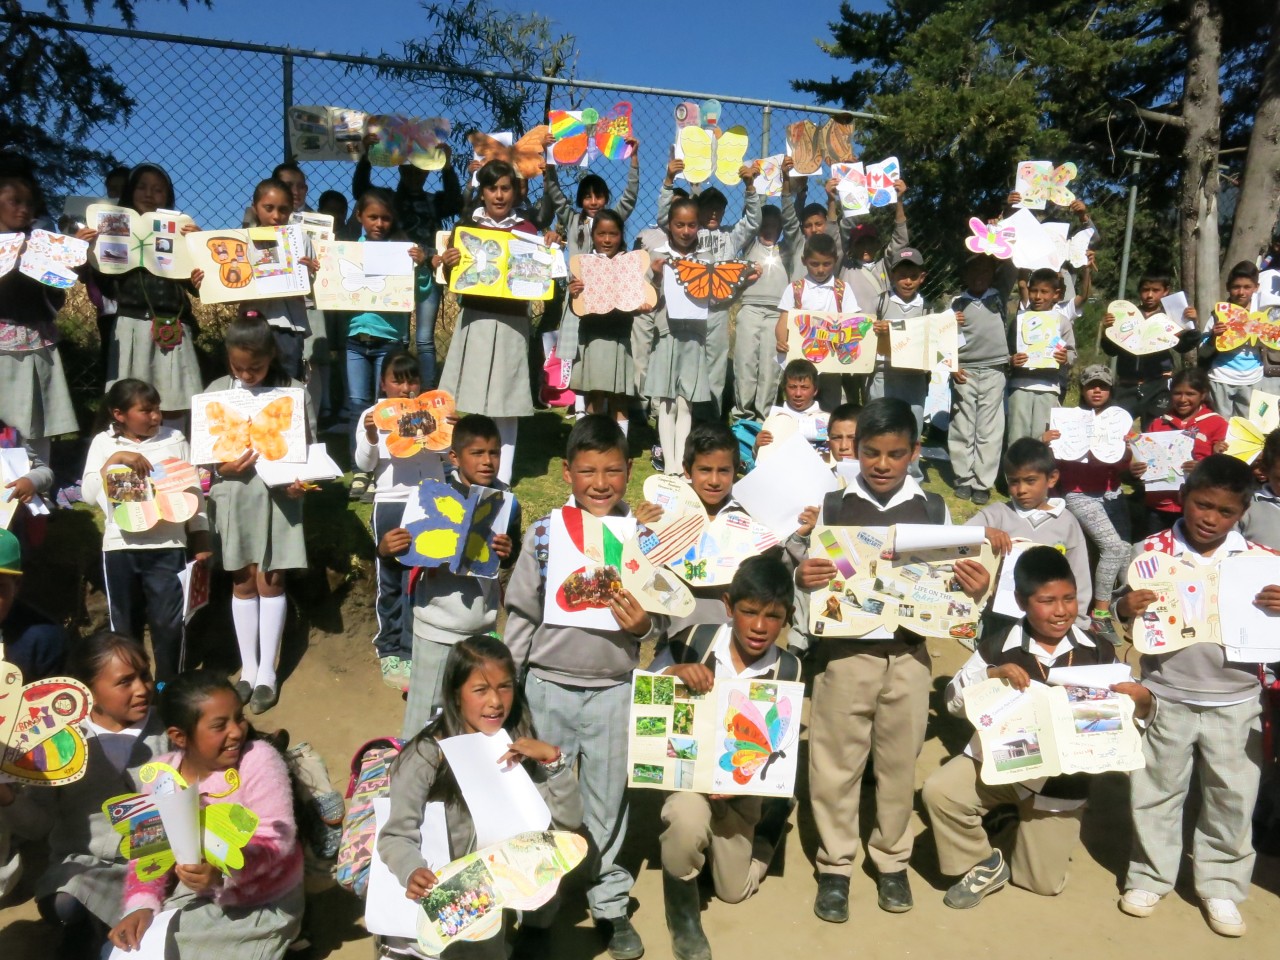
(418, 423)
(527, 155)
(264, 432)
(713, 282)
(231, 256)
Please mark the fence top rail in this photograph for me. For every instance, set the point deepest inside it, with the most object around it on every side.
(40, 20)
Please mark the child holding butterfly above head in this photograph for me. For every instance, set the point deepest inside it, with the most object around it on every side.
(487, 369)
(82, 886)
(154, 334)
(1235, 373)
(575, 220)
(256, 910)
(257, 529)
(140, 564)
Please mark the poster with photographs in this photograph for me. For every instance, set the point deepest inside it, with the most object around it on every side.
(584, 568)
(128, 240)
(740, 738)
(253, 264)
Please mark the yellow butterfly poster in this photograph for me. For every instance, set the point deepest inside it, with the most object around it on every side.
(253, 264)
(705, 154)
(227, 424)
(499, 264)
(354, 276)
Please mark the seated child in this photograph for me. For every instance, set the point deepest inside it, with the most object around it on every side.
(729, 830)
(800, 403)
(1049, 810)
(1209, 723)
(1031, 471)
(449, 607)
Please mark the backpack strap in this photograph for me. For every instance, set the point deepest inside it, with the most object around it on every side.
(839, 292)
(831, 506)
(787, 666)
(881, 304)
(699, 643)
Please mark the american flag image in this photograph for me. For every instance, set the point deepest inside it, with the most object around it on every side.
(674, 540)
(1147, 567)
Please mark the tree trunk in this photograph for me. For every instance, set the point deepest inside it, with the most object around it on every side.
(1201, 112)
(1259, 200)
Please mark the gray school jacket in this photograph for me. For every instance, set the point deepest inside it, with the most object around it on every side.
(767, 291)
(869, 280)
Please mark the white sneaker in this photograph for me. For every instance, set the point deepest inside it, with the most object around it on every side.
(1139, 903)
(1224, 917)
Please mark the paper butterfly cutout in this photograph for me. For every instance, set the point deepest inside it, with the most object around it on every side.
(1078, 247)
(806, 146)
(837, 141)
(526, 154)
(595, 586)
(711, 282)
(51, 259)
(142, 502)
(1244, 439)
(1085, 433)
(993, 239)
(264, 432)
(826, 336)
(232, 257)
(1138, 334)
(613, 129)
(471, 893)
(755, 742)
(705, 153)
(730, 538)
(768, 182)
(483, 271)
(1236, 327)
(457, 532)
(42, 746)
(414, 140)
(416, 424)
(613, 283)
(1039, 181)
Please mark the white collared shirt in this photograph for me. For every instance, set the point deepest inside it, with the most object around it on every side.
(819, 297)
(482, 219)
(1038, 515)
(909, 490)
(722, 649)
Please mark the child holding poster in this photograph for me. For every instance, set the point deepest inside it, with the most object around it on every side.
(729, 830)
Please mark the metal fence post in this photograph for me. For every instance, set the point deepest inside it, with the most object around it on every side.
(286, 90)
(764, 130)
(1138, 157)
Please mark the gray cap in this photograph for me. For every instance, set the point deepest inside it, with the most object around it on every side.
(906, 255)
(1097, 373)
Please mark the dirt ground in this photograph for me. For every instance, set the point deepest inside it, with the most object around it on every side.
(334, 698)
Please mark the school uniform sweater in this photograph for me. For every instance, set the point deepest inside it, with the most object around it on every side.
(574, 225)
(869, 280)
(398, 478)
(774, 258)
(723, 243)
(983, 342)
(1261, 523)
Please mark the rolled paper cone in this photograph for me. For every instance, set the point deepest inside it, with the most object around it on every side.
(180, 814)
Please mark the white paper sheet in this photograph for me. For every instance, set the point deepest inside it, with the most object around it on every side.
(319, 466)
(1100, 676)
(1175, 305)
(180, 814)
(1005, 603)
(388, 911)
(387, 259)
(680, 306)
(776, 491)
(1164, 453)
(153, 941)
(1033, 245)
(1268, 289)
(15, 464)
(934, 536)
(502, 799)
(1248, 632)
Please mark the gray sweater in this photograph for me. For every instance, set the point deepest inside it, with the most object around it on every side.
(983, 340)
(1261, 522)
(869, 280)
(767, 291)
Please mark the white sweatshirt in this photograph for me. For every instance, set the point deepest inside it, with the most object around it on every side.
(398, 478)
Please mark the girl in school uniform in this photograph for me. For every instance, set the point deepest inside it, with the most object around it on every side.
(154, 334)
(257, 529)
(256, 911)
(34, 397)
(480, 696)
(82, 886)
(603, 369)
(487, 369)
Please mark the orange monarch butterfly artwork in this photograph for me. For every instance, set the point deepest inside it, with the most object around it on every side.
(414, 424)
(227, 424)
(713, 282)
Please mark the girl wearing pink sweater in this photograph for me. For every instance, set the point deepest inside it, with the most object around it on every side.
(255, 913)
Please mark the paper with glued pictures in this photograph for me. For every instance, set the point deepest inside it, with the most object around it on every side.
(1248, 631)
(1039, 334)
(317, 226)
(584, 560)
(325, 133)
(154, 945)
(10, 250)
(52, 258)
(319, 466)
(256, 263)
(1098, 676)
(1175, 305)
(501, 798)
(343, 283)
(128, 240)
(881, 178)
(495, 263)
(388, 911)
(388, 259)
(934, 536)
(1164, 453)
(1264, 410)
(778, 490)
(180, 814)
(681, 306)
(851, 188)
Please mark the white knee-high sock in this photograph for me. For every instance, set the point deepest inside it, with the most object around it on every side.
(684, 424)
(271, 615)
(625, 424)
(667, 434)
(507, 428)
(244, 614)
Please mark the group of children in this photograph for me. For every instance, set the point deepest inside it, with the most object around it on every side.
(562, 693)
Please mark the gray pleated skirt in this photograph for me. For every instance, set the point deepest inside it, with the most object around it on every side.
(604, 357)
(204, 930)
(254, 523)
(34, 398)
(678, 364)
(175, 372)
(487, 369)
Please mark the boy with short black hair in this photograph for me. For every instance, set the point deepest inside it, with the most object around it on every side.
(735, 832)
(819, 290)
(1234, 375)
(872, 700)
(577, 682)
(1142, 379)
(800, 403)
(1210, 717)
(842, 432)
(1049, 811)
(1030, 471)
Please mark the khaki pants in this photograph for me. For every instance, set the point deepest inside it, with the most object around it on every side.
(697, 826)
(957, 799)
(871, 701)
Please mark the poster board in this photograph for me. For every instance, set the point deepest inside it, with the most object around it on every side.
(1140, 335)
(832, 342)
(1087, 433)
(42, 746)
(128, 240)
(256, 263)
(921, 343)
(326, 133)
(613, 283)
(1039, 334)
(505, 265)
(455, 531)
(50, 258)
(356, 277)
(418, 141)
(1045, 731)
(1236, 327)
(227, 423)
(414, 424)
(316, 226)
(583, 568)
(171, 493)
(1164, 453)
(739, 739)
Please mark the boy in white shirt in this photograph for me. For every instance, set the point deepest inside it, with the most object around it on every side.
(800, 403)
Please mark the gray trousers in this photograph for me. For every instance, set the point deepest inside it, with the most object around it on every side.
(1232, 399)
(909, 386)
(1223, 745)
(1028, 413)
(426, 682)
(977, 427)
(589, 725)
(717, 349)
(755, 365)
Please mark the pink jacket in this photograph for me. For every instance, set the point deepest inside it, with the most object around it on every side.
(272, 858)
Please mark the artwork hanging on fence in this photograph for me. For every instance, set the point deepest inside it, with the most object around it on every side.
(326, 133)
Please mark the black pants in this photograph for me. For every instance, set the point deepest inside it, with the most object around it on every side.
(143, 587)
(1145, 401)
(289, 349)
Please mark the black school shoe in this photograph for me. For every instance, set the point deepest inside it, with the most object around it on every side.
(982, 497)
(893, 892)
(963, 492)
(624, 939)
(832, 901)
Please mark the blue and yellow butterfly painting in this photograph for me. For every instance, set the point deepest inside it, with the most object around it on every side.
(456, 531)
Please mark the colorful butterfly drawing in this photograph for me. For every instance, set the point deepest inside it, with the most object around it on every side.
(231, 254)
(881, 178)
(755, 743)
(1039, 181)
(613, 130)
(592, 586)
(483, 271)
(769, 181)
(1234, 327)
(40, 742)
(824, 337)
(142, 502)
(264, 432)
(993, 239)
(527, 154)
(401, 140)
(417, 423)
(572, 141)
(711, 282)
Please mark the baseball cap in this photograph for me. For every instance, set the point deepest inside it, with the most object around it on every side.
(10, 553)
(906, 255)
(864, 231)
(1097, 373)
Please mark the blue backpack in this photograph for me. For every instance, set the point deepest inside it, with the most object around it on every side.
(745, 432)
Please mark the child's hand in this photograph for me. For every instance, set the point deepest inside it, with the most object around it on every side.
(959, 318)
(999, 540)
(634, 144)
(451, 257)
(1108, 319)
(1268, 599)
(394, 542)
(201, 546)
(696, 676)
(127, 458)
(296, 490)
(880, 328)
(901, 186)
(311, 263)
(1134, 603)
(528, 748)
(87, 234)
(763, 439)
(475, 164)
(1191, 464)
(241, 465)
(197, 277)
(1137, 468)
(576, 287)
(831, 186)
(548, 140)
(23, 490)
(630, 615)
(788, 164)
(420, 883)
(1013, 199)
(646, 513)
(1019, 359)
(1079, 209)
(7, 796)
(128, 933)
(1018, 677)
(370, 430)
(417, 255)
(502, 546)
(552, 239)
(1140, 695)
(674, 166)
(436, 261)
(1219, 447)
(1060, 353)
(201, 879)
(1050, 435)
(808, 520)
(973, 578)
(1091, 260)
(657, 265)
(1190, 314)
(815, 572)
(188, 228)
(368, 140)
(748, 172)
(959, 376)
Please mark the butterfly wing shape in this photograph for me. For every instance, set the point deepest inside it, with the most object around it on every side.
(1058, 191)
(806, 148)
(836, 136)
(731, 150)
(1244, 440)
(613, 130)
(747, 746)
(1232, 322)
(570, 135)
(1266, 323)
(268, 428)
(528, 155)
(229, 429)
(486, 147)
(697, 148)
(42, 745)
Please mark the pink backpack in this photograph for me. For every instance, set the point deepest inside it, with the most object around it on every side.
(555, 381)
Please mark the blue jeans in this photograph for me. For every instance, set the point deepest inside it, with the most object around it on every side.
(425, 321)
(364, 373)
